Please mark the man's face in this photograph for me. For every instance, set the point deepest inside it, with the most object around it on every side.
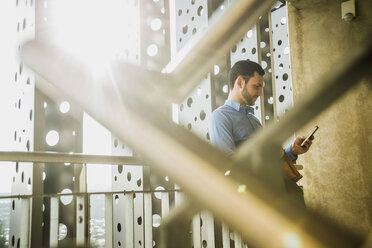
(252, 89)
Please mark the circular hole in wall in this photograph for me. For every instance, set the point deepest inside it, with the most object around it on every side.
(139, 182)
(156, 24)
(68, 198)
(202, 115)
(253, 50)
(120, 168)
(205, 244)
(285, 76)
(119, 227)
(216, 69)
(156, 220)
(184, 29)
(129, 176)
(29, 186)
(281, 98)
(189, 102)
(225, 88)
(64, 107)
(158, 194)
(139, 220)
(62, 231)
(52, 138)
(152, 50)
(233, 49)
(264, 64)
(200, 11)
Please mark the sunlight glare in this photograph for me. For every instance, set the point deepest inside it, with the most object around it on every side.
(93, 30)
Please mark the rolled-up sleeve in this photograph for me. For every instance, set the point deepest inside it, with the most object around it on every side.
(221, 133)
(291, 156)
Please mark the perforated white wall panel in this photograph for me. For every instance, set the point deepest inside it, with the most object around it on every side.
(127, 178)
(282, 71)
(186, 19)
(247, 48)
(17, 20)
(18, 89)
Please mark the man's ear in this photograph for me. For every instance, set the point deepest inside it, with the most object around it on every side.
(240, 82)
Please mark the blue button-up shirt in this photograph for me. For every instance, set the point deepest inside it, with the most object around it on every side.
(232, 124)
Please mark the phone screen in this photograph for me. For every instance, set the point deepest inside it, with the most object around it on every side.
(311, 134)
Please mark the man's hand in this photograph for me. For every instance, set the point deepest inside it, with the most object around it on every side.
(297, 149)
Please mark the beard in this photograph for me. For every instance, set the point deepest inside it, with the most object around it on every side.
(248, 98)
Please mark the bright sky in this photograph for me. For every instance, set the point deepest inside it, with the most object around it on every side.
(97, 140)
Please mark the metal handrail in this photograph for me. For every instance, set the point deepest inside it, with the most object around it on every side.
(75, 158)
(21, 196)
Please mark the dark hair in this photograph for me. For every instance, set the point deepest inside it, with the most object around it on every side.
(245, 68)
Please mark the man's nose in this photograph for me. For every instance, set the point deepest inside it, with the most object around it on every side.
(260, 92)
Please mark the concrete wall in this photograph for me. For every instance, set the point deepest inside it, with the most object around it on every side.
(338, 169)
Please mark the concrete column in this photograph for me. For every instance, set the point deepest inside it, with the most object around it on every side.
(338, 168)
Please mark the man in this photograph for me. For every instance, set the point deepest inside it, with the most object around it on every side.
(234, 122)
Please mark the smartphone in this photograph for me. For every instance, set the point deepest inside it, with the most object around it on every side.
(308, 137)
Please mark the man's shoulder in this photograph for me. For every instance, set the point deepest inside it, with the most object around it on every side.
(222, 112)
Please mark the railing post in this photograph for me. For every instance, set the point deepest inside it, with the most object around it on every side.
(108, 220)
(148, 219)
(129, 222)
(81, 221)
(25, 222)
(54, 221)
(196, 235)
(238, 240)
(225, 236)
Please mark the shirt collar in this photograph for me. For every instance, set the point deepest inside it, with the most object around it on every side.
(237, 106)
